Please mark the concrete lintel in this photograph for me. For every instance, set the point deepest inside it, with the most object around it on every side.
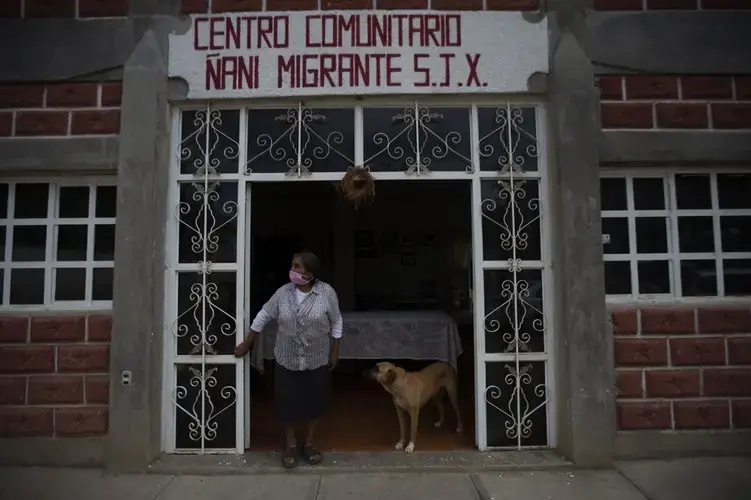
(670, 42)
(106, 75)
(629, 147)
(584, 347)
(56, 452)
(667, 444)
(87, 155)
(135, 410)
(59, 49)
(63, 49)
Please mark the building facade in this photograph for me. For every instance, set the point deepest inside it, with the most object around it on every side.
(642, 147)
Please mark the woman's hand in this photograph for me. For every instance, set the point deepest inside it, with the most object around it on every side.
(333, 361)
(244, 347)
(334, 358)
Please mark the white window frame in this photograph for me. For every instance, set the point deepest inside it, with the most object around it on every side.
(50, 222)
(671, 213)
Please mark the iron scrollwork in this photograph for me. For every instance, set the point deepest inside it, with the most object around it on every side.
(515, 325)
(522, 404)
(516, 292)
(418, 144)
(209, 148)
(207, 209)
(199, 410)
(520, 305)
(508, 142)
(299, 145)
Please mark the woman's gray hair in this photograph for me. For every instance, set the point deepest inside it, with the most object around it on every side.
(310, 262)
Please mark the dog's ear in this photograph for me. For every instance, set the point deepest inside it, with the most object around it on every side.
(390, 376)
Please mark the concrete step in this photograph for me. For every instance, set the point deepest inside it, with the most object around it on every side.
(78, 484)
(675, 479)
(362, 462)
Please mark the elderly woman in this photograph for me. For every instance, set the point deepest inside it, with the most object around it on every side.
(306, 350)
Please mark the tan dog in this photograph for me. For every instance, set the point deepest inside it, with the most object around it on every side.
(410, 392)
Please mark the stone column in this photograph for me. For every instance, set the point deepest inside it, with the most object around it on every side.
(584, 356)
(138, 311)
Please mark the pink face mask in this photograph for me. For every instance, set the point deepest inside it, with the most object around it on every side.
(298, 279)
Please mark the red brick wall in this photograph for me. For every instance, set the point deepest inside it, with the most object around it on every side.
(683, 369)
(60, 109)
(673, 102)
(114, 8)
(64, 8)
(54, 375)
(201, 6)
(670, 4)
(54, 370)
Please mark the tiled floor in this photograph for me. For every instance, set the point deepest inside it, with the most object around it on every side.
(362, 418)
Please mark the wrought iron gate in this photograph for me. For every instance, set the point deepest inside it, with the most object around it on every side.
(513, 279)
(205, 283)
(496, 147)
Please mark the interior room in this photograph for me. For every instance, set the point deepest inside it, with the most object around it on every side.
(401, 266)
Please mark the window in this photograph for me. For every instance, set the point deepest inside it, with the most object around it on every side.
(57, 243)
(292, 140)
(677, 234)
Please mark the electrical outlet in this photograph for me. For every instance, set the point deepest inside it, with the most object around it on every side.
(126, 378)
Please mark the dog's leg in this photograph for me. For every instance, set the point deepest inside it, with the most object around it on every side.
(441, 414)
(414, 418)
(402, 428)
(451, 389)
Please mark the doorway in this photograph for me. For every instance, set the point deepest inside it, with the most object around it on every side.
(494, 146)
(403, 262)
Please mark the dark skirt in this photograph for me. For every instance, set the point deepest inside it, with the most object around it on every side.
(301, 396)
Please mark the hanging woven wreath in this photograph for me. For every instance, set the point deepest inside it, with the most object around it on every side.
(357, 186)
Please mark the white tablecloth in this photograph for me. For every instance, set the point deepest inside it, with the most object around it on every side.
(423, 335)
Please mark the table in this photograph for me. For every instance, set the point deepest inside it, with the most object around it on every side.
(422, 335)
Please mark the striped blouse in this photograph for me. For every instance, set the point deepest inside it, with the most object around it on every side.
(306, 321)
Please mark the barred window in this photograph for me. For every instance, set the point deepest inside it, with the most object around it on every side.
(57, 243)
(677, 234)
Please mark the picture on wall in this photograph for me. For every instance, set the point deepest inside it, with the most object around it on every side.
(407, 239)
(428, 240)
(366, 252)
(409, 260)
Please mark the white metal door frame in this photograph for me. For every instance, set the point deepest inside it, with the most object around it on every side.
(202, 411)
(517, 414)
(242, 268)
